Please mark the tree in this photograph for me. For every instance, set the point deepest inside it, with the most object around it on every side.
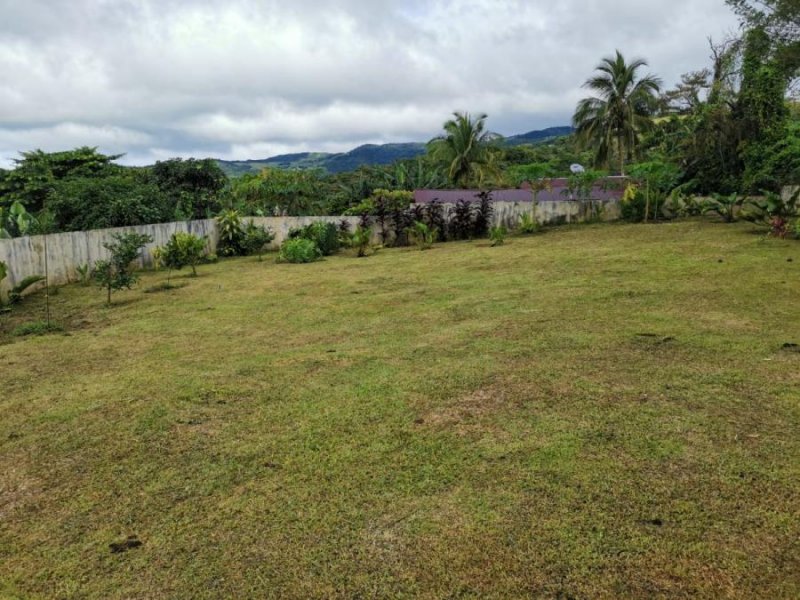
(194, 186)
(761, 109)
(118, 197)
(32, 179)
(612, 121)
(117, 272)
(466, 150)
(780, 19)
(289, 191)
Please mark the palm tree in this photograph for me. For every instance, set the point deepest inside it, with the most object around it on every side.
(466, 150)
(622, 108)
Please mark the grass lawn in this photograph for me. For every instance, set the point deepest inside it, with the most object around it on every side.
(596, 412)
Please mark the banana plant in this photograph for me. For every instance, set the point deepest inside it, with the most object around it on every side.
(776, 205)
(726, 207)
(16, 221)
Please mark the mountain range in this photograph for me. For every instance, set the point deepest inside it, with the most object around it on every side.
(367, 155)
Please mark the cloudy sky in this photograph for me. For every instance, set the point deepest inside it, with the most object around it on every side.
(245, 79)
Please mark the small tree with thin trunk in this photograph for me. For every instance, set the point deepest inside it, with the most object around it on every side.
(117, 272)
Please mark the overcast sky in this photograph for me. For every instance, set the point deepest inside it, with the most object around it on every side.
(242, 79)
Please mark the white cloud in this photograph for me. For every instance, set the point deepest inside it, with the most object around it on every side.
(171, 77)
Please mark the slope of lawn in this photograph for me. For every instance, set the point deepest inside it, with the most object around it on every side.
(598, 411)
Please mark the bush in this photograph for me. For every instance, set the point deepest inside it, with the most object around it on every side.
(528, 224)
(299, 250)
(84, 273)
(182, 250)
(344, 232)
(360, 240)
(483, 214)
(434, 218)
(633, 205)
(461, 223)
(324, 235)
(423, 235)
(726, 207)
(498, 235)
(256, 239)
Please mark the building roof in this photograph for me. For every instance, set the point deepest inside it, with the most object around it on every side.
(607, 188)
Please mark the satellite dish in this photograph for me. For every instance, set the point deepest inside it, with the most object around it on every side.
(577, 169)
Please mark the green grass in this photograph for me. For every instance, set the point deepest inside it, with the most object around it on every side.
(599, 411)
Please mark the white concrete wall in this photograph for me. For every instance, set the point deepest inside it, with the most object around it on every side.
(555, 212)
(67, 251)
(25, 256)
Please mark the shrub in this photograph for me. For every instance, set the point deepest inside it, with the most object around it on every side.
(182, 250)
(299, 250)
(528, 224)
(726, 207)
(360, 240)
(483, 214)
(461, 223)
(84, 273)
(231, 234)
(434, 218)
(633, 205)
(771, 207)
(498, 235)
(778, 227)
(344, 232)
(423, 235)
(324, 235)
(256, 239)
(680, 205)
(117, 272)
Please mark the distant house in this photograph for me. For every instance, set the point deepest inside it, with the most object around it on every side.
(557, 189)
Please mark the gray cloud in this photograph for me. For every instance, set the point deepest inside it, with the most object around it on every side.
(249, 78)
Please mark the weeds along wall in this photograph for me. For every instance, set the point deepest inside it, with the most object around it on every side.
(25, 256)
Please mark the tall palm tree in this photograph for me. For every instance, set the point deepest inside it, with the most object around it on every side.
(466, 149)
(621, 109)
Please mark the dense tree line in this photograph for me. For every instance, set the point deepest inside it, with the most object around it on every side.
(729, 127)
